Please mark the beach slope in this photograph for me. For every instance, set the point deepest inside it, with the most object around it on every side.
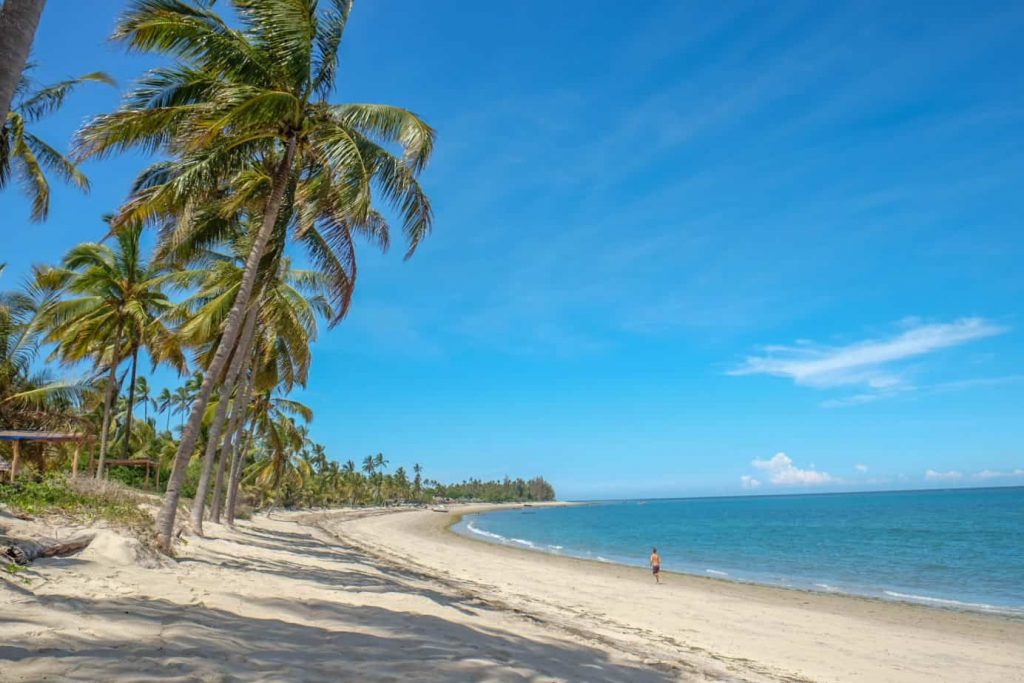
(708, 626)
(376, 595)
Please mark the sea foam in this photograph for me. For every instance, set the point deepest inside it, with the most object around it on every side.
(953, 603)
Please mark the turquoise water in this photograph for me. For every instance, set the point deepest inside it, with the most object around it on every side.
(955, 548)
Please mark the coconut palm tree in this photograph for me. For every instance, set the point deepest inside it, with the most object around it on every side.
(29, 398)
(25, 157)
(250, 105)
(182, 399)
(164, 403)
(285, 312)
(282, 441)
(144, 396)
(18, 22)
(111, 305)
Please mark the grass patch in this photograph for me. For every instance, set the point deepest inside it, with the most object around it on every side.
(82, 500)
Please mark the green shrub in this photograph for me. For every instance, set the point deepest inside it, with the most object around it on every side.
(82, 499)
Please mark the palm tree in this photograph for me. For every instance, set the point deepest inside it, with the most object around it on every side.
(286, 310)
(164, 403)
(182, 399)
(369, 465)
(250, 106)
(28, 398)
(112, 305)
(26, 157)
(282, 440)
(18, 22)
(142, 392)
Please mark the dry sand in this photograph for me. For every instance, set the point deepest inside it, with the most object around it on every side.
(373, 596)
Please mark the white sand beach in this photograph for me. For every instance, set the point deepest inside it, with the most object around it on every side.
(389, 596)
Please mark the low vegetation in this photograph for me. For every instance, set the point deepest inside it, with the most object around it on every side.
(81, 500)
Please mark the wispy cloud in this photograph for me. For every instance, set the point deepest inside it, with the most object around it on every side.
(781, 470)
(860, 468)
(748, 482)
(950, 475)
(998, 474)
(982, 475)
(872, 364)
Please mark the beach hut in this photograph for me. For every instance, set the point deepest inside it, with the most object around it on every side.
(17, 437)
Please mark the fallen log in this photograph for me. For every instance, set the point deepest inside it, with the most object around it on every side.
(23, 552)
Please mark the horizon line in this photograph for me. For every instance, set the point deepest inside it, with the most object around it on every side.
(792, 495)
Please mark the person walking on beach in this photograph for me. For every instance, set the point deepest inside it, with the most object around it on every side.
(656, 565)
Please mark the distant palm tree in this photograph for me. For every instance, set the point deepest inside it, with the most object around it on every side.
(164, 403)
(182, 400)
(112, 302)
(143, 396)
(369, 465)
(27, 158)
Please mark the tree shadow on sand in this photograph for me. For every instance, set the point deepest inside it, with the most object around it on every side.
(167, 641)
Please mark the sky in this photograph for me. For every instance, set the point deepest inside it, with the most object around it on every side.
(691, 248)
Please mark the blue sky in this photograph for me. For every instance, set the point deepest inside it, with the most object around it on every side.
(672, 242)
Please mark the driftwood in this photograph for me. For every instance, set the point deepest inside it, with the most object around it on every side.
(23, 552)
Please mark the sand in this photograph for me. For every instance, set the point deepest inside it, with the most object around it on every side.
(386, 596)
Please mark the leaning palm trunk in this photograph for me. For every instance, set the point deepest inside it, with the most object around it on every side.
(18, 22)
(108, 403)
(219, 418)
(232, 328)
(227, 454)
(131, 404)
(236, 474)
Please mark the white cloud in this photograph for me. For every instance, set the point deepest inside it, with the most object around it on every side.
(866, 363)
(749, 482)
(997, 474)
(781, 470)
(951, 475)
(860, 468)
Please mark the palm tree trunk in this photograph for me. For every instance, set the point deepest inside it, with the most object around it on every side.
(18, 22)
(232, 328)
(230, 446)
(212, 443)
(131, 403)
(236, 475)
(108, 402)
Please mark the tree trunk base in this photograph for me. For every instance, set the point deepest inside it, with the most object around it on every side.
(24, 552)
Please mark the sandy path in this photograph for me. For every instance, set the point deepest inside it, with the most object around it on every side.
(274, 601)
(707, 627)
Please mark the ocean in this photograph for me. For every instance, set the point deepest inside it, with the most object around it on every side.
(961, 548)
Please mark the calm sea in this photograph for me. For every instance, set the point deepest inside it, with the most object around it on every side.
(957, 548)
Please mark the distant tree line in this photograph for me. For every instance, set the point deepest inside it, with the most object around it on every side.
(506, 490)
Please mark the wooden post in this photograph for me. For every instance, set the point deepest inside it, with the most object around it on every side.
(74, 461)
(158, 476)
(16, 445)
(147, 474)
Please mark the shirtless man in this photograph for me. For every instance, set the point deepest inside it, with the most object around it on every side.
(656, 564)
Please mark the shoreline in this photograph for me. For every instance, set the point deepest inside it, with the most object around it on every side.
(932, 603)
(718, 627)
